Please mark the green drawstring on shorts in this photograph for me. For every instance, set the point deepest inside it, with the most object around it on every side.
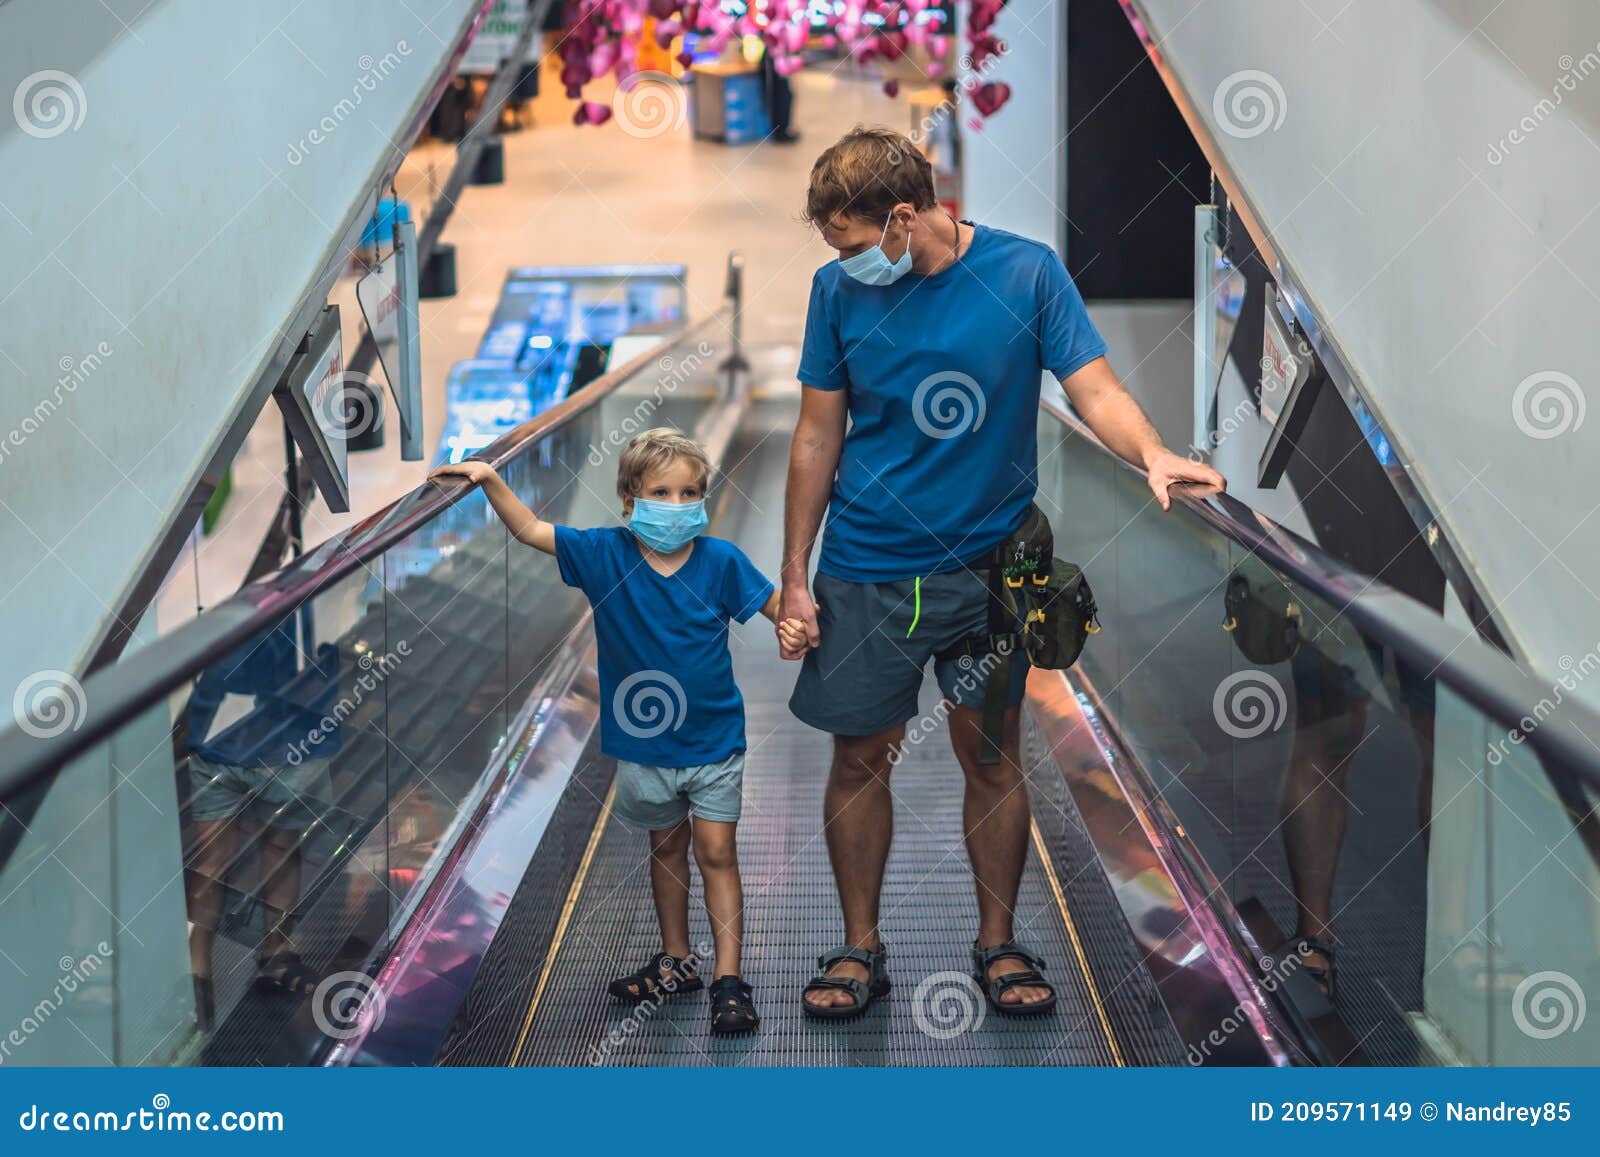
(916, 613)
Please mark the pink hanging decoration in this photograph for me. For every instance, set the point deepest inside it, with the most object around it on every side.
(601, 38)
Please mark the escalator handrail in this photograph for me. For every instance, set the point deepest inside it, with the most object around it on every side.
(1482, 675)
(119, 692)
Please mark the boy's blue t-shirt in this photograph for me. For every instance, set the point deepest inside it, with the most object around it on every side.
(940, 462)
(667, 695)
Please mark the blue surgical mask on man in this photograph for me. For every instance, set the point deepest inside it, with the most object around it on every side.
(667, 526)
(873, 267)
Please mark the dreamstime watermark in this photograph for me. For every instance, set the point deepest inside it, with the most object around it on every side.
(1249, 703)
(352, 412)
(346, 1004)
(49, 703)
(647, 104)
(374, 670)
(1572, 72)
(948, 404)
(160, 1117)
(674, 373)
(372, 72)
(643, 1012)
(1273, 975)
(947, 1004)
(974, 675)
(48, 103)
(75, 972)
(74, 372)
(1248, 103)
(1573, 672)
(1548, 404)
(1548, 1004)
(649, 703)
(970, 80)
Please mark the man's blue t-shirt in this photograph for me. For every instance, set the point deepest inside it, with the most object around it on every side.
(667, 695)
(940, 461)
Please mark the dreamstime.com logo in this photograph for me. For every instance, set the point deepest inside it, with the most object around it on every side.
(1249, 703)
(1248, 103)
(948, 404)
(947, 1004)
(160, 1117)
(347, 1004)
(647, 104)
(49, 703)
(649, 703)
(1548, 1004)
(48, 103)
(1548, 404)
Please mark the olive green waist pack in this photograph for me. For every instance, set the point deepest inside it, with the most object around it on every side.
(1050, 599)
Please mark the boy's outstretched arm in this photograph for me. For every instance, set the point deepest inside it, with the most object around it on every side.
(524, 524)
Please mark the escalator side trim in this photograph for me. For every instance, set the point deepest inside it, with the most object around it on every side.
(578, 881)
(1077, 944)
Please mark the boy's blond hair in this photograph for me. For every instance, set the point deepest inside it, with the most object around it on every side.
(653, 449)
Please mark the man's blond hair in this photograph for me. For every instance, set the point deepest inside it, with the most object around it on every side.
(867, 172)
(653, 449)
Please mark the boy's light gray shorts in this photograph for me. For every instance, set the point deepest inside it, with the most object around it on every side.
(658, 798)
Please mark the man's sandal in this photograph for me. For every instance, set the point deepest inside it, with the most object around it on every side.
(862, 993)
(993, 989)
(732, 1010)
(1323, 976)
(664, 975)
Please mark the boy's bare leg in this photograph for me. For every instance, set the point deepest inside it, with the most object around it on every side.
(669, 883)
(858, 817)
(716, 851)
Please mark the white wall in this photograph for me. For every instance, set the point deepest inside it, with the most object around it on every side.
(151, 244)
(1012, 165)
(1451, 262)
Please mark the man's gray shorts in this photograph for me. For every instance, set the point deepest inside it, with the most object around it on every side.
(658, 798)
(877, 640)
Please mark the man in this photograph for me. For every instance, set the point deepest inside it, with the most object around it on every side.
(924, 349)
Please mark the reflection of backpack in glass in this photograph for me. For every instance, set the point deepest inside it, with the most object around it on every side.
(1262, 616)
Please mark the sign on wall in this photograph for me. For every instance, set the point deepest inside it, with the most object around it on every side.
(388, 300)
(311, 396)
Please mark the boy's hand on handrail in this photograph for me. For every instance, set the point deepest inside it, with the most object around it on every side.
(525, 526)
(472, 470)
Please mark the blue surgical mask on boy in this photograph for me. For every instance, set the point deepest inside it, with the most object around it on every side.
(667, 526)
(873, 266)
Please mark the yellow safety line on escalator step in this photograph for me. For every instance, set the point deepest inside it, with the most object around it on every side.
(566, 918)
(1077, 945)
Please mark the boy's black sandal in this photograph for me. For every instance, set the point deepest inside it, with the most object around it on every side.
(993, 989)
(1322, 975)
(862, 993)
(664, 975)
(732, 1010)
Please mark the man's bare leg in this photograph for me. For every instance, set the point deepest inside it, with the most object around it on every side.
(858, 817)
(995, 819)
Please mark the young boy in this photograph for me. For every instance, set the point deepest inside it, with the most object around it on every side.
(671, 715)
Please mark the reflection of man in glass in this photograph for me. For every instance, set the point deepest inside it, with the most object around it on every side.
(264, 774)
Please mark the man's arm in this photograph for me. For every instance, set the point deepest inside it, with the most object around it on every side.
(1119, 421)
(813, 462)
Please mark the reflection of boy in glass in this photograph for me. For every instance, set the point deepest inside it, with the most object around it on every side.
(272, 764)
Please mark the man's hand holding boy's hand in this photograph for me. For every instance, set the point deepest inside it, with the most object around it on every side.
(792, 640)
